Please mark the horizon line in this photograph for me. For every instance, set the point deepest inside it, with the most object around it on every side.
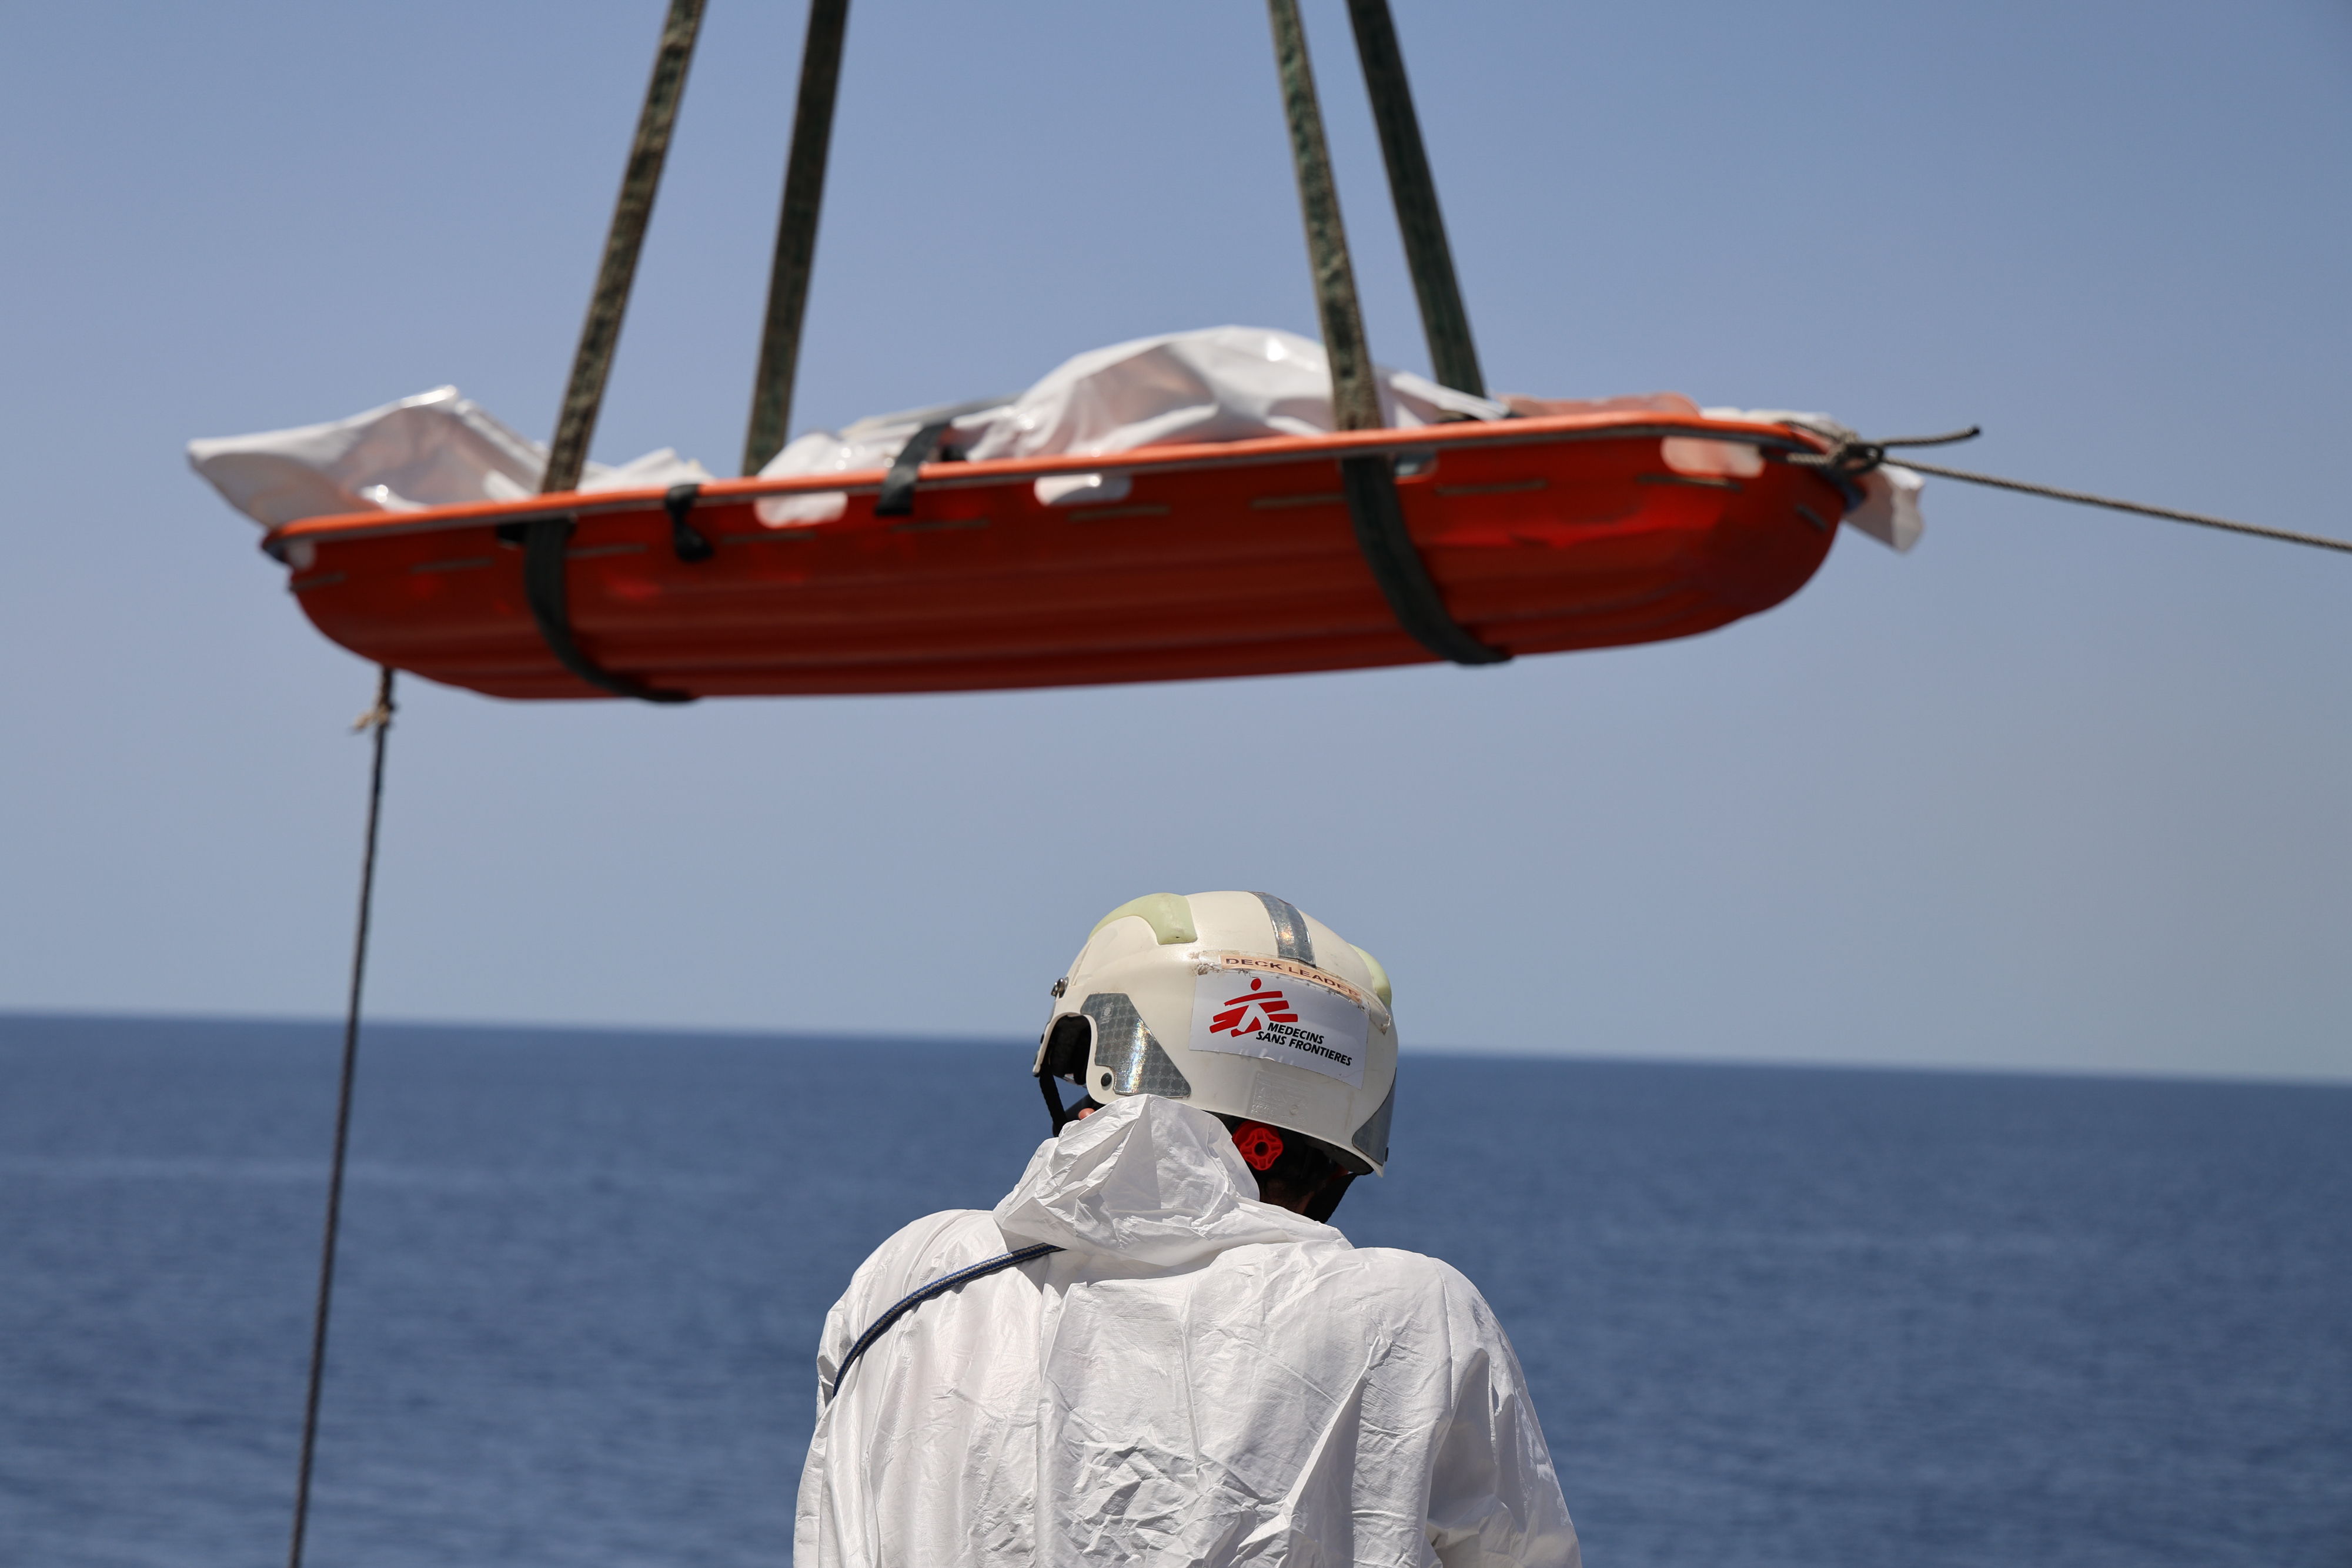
(327, 1022)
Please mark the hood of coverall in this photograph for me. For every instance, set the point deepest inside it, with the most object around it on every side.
(1149, 1181)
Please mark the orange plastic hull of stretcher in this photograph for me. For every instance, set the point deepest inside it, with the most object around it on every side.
(1543, 534)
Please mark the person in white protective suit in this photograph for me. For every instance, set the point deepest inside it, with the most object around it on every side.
(1155, 1348)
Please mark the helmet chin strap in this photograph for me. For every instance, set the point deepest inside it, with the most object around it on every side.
(1063, 1054)
(1063, 1116)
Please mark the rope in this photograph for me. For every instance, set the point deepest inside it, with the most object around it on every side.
(583, 397)
(378, 720)
(788, 280)
(1444, 320)
(2084, 499)
(1853, 458)
(913, 1298)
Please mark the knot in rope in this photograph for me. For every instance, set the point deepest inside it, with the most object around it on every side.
(1850, 456)
(378, 717)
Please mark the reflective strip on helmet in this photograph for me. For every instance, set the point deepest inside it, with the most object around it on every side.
(1124, 1045)
(1291, 938)
(1373, 1137)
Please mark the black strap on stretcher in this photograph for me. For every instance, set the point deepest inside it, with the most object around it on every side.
(546, 548)
(1378, 513)
(896, 498)
(688, 543)
(1369, 482)
(927, 445)
(546, 545)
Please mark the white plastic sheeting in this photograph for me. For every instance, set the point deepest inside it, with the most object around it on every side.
(1219, 383)
(1200, 1379)
(436, 449)
(1234, 384)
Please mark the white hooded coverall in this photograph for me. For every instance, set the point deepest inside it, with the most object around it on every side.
(1200, 1378)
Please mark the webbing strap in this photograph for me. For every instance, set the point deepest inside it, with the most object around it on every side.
(788, 276)
(687, 542)
(1369, 483)
(546, 543)
(896, 498)
(1378, 513)
(591, 363)
(1355, 399)
(940, 1287)
(1444, 321)
(545, 540)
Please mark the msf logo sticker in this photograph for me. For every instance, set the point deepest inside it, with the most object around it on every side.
(1250, 1012)
(1280, 1018)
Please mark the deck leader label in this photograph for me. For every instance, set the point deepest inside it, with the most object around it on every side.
(1281, 1018)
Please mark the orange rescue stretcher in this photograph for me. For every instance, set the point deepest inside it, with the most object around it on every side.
(1537, 535)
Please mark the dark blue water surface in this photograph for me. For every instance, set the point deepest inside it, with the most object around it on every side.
(1771, 1316)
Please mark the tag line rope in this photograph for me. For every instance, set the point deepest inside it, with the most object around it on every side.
(377, 719)
(1851, 457)
(2084, 499)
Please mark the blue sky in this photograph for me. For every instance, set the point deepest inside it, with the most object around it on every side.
(2060, 790)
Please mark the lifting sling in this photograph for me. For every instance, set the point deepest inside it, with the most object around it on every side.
(1368, 481)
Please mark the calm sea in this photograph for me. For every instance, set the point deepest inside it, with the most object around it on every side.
(1771, 1316)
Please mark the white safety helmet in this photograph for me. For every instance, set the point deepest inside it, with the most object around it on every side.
(1235, 1003)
